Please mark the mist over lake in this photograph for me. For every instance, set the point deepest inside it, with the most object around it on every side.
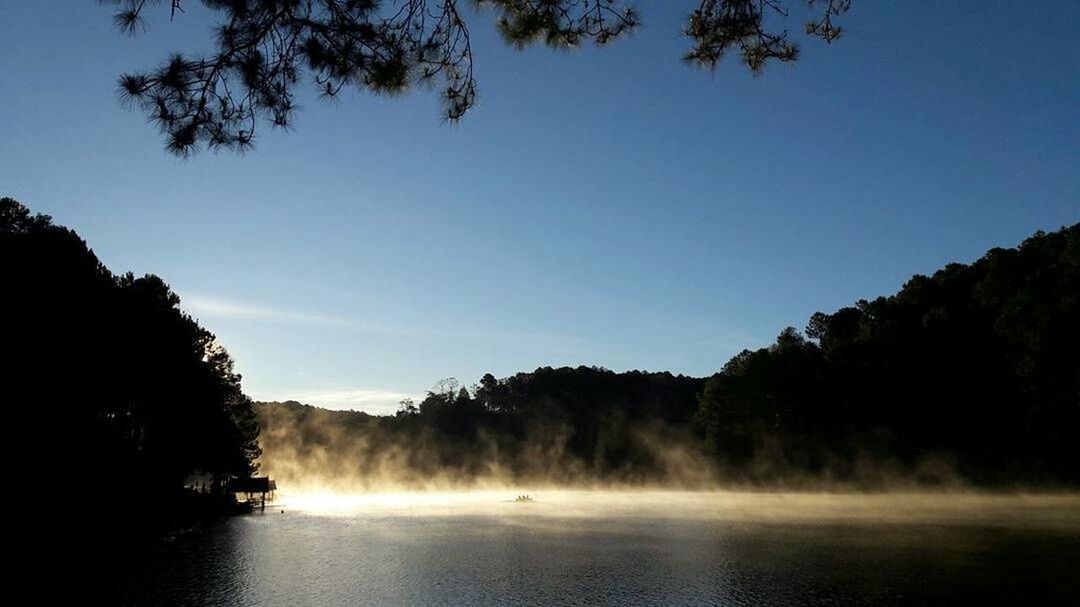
(630, 548)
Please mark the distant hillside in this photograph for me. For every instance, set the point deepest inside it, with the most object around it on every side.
(971, 372)
(970, 375)
(550, 426)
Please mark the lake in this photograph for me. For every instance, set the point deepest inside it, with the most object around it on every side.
(628, 548)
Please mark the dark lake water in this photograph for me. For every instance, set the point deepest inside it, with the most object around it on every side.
(629, 549)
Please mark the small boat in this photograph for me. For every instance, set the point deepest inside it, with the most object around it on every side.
(523, 499)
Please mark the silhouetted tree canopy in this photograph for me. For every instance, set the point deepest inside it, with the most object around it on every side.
(117, 395)
(971, 373)
(551, 425)
(979, 364)
(264, 48)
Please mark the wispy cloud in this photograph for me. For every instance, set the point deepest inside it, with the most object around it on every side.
(215, 307)
(375, 402)
(200, 305)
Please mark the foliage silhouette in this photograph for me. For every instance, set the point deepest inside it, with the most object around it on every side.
(971, 374)
(977, 364)
(265, 47)
(558, 425)
(117, 397)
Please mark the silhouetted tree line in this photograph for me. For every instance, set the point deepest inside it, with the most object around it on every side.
(116, 396)
(552, 425)
(972, 373)
(977, 365)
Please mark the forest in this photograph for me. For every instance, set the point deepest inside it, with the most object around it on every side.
(561, 426)
(115, 398)
(967, 377)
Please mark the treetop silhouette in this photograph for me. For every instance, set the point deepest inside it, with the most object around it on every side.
(264, 48)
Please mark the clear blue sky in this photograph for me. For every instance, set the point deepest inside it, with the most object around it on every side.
(610, 207)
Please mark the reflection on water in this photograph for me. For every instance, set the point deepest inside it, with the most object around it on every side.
(622, 548)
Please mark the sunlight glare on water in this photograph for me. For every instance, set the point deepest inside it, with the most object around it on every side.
(405, 502)
(1057, 511)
